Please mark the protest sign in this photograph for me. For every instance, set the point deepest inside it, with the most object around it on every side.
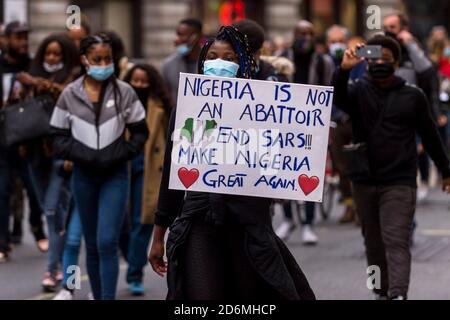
(250, 137)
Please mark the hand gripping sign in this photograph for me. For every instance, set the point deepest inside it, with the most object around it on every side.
(250, 137)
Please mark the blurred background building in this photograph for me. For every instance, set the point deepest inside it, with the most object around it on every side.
(147, 26)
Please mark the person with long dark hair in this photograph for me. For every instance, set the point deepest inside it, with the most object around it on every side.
(53, 68)
(222, 246)
(89, 121)
(54, 63)
(146, 169)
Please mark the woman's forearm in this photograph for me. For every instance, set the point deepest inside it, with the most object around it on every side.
(159, 233)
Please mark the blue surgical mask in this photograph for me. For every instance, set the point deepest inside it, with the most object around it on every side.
(183, 49)
(100, 73)
(220, 68)
(447, 52)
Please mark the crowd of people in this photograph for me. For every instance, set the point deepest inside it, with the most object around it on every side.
(102, 172)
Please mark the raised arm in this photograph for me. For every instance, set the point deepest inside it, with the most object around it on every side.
(344, 97)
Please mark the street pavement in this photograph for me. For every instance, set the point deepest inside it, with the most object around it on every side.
(336, 267)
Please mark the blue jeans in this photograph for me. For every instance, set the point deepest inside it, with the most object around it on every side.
(10, 161)
(56, 207)
(140, 233)
(72, 245)
(101, 202)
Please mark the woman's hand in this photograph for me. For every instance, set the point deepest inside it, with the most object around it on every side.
(44, 85)
(156, 258)
(156, 255)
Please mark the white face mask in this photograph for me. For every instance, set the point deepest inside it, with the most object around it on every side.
(52, 68)
(337, 50)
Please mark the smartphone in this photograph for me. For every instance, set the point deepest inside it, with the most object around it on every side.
(369, 52)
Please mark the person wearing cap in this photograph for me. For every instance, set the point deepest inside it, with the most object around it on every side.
(256, 36)
(14, 62)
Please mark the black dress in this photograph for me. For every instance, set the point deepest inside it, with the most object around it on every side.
(266, 253)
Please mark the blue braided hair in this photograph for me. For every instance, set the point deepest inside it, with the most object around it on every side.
(239, 42)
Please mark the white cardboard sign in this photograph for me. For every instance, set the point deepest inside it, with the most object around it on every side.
(250, 137)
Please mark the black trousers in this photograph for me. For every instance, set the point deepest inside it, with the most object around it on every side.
(215, 265)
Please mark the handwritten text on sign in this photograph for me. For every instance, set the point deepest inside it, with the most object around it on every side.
(250, 137)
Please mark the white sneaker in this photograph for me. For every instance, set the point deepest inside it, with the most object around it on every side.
(422, 193)
(63, 295)
(285, 229)
(90, 296)
(309, 237)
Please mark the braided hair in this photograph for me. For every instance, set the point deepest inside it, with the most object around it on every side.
(86, 45)
(240, 44)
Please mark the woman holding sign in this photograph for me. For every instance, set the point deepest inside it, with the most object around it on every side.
(222, 246)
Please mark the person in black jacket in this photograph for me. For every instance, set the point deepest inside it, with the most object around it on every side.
(256, 36)
(221, 246)
(89, 123)
(386, 114)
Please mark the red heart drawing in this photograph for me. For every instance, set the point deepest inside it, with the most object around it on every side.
(188, 177)
(308, 184)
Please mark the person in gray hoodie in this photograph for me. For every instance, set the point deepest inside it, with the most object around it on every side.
(184, 59)
(90, 120)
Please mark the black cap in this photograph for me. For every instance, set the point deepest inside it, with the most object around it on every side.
(16, 27)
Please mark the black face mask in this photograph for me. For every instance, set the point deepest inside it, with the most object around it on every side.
(142, 94)
(381, 71)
